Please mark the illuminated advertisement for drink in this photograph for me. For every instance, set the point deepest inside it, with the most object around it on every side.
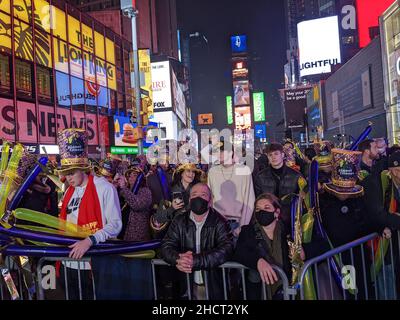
(242, 118)
(258, 106)
(319, 45)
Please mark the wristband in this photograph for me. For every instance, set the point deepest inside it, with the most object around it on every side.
(93, 239)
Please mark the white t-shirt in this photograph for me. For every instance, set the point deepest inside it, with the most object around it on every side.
(110, 211)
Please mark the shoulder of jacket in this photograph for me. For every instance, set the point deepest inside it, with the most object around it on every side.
(102, 183)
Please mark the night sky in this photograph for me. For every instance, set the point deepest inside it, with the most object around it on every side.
(264, 24)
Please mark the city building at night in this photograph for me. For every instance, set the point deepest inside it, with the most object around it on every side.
(60, 68)
(390, 39)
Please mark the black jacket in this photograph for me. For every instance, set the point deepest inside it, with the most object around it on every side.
(251, 247)
(345, 221)
(377, 208)
(216, 246)
(265, 182)
(156, 190)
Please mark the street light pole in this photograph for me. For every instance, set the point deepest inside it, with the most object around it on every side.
(129, 10)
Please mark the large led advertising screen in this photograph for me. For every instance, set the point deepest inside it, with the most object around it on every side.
(319, 45)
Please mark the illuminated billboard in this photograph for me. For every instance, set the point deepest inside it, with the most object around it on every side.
(368, 12)
(241, 93)
(239, 69)
(319, 45)
(243, 118)
(161, 85)
(239, 43)
(258, 106)
(125, 133)
(229, 110)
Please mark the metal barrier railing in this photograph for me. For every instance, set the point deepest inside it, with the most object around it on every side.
(354, 255)
(14, 284)
(359, 254)
(288, 292)
(77, 266)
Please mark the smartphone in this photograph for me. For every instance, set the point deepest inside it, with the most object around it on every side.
(177, 195)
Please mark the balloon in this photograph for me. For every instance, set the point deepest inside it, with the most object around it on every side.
(164, 183)
(361, 138)
(48, 230)
(4, 156)
(44, 251)
(54, 239)
(26, 183)
(293, 209)
(9, 177)
(313, 181)
(137, 184)
(50, 221)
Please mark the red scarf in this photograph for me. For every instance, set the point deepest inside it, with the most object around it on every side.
(89, 216)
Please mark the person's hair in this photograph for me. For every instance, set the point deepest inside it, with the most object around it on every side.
(365, 145)
(143, 183)
(310, 153)
(274, 147)
(177, 177)
(204, 185)
(271, 198)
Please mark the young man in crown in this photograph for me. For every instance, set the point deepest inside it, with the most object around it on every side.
(90, 201)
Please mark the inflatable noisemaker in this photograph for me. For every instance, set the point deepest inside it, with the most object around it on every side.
(361, 138)
(162, 178)
(4, 157)
(9, 183)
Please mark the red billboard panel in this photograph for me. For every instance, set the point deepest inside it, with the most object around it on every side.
(28, 121)
(368, 12)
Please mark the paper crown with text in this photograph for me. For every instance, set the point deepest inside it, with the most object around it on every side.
(345, 169)
(73, 150)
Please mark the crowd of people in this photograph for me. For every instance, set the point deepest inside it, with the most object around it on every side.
(208, 215)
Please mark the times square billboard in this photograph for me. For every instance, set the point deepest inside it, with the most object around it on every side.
(319, 45)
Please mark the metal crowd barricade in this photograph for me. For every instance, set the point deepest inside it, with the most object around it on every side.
(11, 268)
(63, 261)
(288, 292)
(372, 286)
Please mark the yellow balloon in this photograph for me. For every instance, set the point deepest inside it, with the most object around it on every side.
(50, 221)
(50, 230)
(146, 254)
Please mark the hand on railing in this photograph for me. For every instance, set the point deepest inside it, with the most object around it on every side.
(267, 273)
(185, 262)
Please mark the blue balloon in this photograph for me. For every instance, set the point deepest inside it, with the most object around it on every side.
(44, 251)
(138, 181)
(361, 138)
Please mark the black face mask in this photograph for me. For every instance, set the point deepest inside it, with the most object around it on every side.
(198, 205)
(265, 218)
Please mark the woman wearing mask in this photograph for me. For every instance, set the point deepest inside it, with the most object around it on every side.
(263, 243)
(185, 176)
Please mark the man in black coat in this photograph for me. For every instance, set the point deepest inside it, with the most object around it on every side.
(279, 179)
(199, 240)
(344, 214)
